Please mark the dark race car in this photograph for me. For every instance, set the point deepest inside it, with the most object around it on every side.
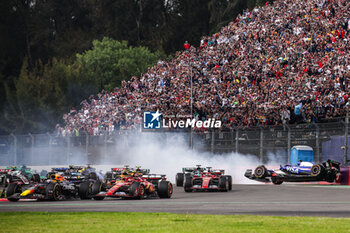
(17, 173)
(16, 178)
(55, 188)
(78, 174)
(120, 172)
(4, 180)
(207, 180)
(139, 187)
(180, 177)
(302, 172)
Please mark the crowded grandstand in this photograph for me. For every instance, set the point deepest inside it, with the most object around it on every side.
(283, 63)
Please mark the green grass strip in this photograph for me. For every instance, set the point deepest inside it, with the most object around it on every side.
(163, 222)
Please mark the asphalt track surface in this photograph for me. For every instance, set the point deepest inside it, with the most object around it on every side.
(281, 200)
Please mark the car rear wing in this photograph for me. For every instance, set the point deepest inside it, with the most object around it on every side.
(218, 171)
(77, 167)
(117, 169)
(59, 169)
(120, 169)
(5, 170)
(154, 176)
(188, 169)
(144, 171)
(74, 177)
(192, 169)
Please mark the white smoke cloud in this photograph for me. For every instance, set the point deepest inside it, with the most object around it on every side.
(161, 153)
(169, 156)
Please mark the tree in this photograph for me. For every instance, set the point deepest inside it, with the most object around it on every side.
(42, 95)
(110, 61)
(35, 33)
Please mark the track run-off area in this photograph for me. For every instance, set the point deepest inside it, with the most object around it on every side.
(277, 200)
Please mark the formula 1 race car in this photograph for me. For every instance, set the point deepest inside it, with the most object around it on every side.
(139, 187)
(19, 177)
(4, 179)
(120, 172)
(207, 180)
(18, 172)
(78, 174)
(55, 188)
(302, 172)
(180, 177)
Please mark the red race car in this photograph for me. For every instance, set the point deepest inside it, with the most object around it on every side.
(208, 180)
(139, 187)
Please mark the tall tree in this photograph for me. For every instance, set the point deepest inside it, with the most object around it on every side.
(110, 61)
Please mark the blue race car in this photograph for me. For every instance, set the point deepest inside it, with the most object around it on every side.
(78, 174)
(302, 172)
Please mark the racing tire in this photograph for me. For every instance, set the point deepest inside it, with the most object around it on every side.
(276, 181)
(137, 190)
(10, 190)
(229, 182)
(179, 179)
(36, 178)
(98, 198)
(317, 170)
(223, 184)
(97, 187)
(260, 172)
(53, 191)
(330, 177)
(188, 184)
(84, 191)
(165, 189)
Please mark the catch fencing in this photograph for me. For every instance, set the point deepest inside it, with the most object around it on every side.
(328, 140)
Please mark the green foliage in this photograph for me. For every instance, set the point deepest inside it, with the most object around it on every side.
(42, 95)
(110, 61)
(35, 33)
(45, 92)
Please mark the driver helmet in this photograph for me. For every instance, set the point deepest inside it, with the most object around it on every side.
(56, 178)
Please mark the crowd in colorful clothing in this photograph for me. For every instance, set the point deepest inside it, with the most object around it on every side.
(283, 63)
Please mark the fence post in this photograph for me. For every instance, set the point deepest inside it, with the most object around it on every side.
(237, 134)
(50, 147)
(318, 159)
(31, 149)
(288, 143)
(191, 138)
(346, 140)
(105, 147)
(261, 153)
(232, 140)
(86, 146)
(68, 148)
(212, 141)
(14, 149)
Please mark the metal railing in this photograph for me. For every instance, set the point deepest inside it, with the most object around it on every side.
(328, 140)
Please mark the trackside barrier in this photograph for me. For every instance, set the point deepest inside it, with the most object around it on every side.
(345, 175)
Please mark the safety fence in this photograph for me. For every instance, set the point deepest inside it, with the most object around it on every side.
(328, 140)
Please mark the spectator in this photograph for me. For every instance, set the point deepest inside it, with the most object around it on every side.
(253, 72)
(187, 45)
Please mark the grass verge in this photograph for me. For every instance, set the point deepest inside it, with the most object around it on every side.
(163, 222)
